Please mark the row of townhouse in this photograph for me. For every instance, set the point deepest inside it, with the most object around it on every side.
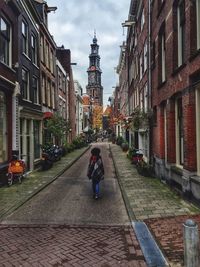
(159, 79)
(36, 80)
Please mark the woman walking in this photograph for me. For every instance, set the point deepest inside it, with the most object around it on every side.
(95, 170)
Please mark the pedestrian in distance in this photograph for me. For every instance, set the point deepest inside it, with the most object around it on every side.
(95, 170)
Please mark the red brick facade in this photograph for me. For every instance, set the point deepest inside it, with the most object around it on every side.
(177, 87)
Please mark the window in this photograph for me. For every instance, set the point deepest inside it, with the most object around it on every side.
(47, 55)
(36, 136)
(161, 55)
(24, 38)
(198, 22)
(33, 49)
(142, 20)
(35, 91)
(145, 98)
(5, 41)
(64, 84)
(43, 90)
(42, 48)
(198, 127)
(181, 31)
(53, 95)
(25, 85)
(153, 55)
(179, 132)
(51, 61)
(3, 129)
(145, 56)
(141, 66)
(48, 93)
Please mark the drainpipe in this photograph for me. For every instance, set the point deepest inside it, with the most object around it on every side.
(15, 120)
(149, 78)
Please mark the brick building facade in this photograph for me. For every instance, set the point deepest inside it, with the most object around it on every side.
(163, 76)
(175, 92)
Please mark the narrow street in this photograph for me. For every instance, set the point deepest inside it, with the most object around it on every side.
(64, 226)
(52, 220)
(68, 200)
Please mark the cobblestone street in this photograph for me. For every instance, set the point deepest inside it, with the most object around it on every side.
(146, 199)
(98, 246)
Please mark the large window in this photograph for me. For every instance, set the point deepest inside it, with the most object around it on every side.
(48, 93)
(198, 22)
(198, 127)
(42, 48)
(35, 90)
(24, 38)
(43, 90)
(3, 128)
(36, 133)
(33, 49)
(4, 41)
(181, 31)
(179, 132)
(25, 84)
(162, 55)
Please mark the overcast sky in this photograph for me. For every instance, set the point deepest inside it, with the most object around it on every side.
(73, 24)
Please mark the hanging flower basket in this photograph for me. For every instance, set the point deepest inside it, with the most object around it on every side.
(141, 119)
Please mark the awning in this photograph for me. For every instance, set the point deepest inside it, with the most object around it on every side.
(47, 115)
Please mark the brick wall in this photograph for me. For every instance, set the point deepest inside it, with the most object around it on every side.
(177, 79)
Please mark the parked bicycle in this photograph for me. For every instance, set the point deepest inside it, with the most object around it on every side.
(16, 170)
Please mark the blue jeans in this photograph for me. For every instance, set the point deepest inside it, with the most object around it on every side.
(95, 187)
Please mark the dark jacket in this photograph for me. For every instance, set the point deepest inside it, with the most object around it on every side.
(95, 169)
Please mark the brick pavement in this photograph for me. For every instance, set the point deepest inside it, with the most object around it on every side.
(71, 246)
(153, 202)
(169, 234)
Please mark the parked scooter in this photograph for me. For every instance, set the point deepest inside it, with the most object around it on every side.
(57, 152)
(46, 160)
(16, 170)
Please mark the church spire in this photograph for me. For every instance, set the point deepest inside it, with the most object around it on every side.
(95, 38)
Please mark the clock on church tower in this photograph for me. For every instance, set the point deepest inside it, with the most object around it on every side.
(94, 88)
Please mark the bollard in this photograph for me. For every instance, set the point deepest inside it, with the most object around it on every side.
(191, 244)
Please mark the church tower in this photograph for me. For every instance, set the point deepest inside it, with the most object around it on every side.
(94, 88)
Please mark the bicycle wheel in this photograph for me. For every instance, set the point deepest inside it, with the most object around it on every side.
(10, 179)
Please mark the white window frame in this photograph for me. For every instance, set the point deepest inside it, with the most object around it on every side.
(37, 91)
(28, 85)
(8, 40)
(163, 57)
(34, 49)
(25, 38)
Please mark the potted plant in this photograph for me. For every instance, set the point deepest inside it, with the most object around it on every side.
(145, 169)
(124, 146)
